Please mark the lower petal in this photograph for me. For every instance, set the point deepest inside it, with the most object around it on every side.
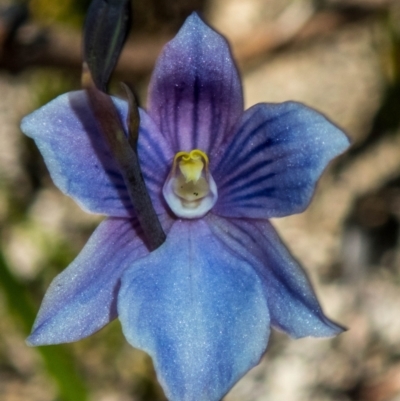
(82, 299)
(197, 310)
(292, 303)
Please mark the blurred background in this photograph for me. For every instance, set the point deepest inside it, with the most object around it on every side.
(341, 57)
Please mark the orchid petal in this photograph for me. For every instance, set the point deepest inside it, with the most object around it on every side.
(197, 310)
(195, 95)
(155, 156)
(270, 168)
(80, 162)
(82, 299)
(292, 303)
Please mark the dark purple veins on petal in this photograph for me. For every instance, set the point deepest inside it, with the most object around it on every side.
(270, 167)
(195, 95)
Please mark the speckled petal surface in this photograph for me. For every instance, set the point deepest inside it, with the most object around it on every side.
(292, 303)
(82, 299)
(78, 158)
(198, 310)
(195, 94)
(271, 165)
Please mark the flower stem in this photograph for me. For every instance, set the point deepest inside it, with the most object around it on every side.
(124, 150)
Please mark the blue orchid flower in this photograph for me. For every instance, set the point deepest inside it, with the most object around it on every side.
(202, 304)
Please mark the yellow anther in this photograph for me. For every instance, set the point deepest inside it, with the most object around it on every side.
(191, 164)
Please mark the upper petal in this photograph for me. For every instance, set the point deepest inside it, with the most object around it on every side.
(292, 303)
(80, 162)
(271, 166)
(195, 95)
(82, 299)
(197, 310)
